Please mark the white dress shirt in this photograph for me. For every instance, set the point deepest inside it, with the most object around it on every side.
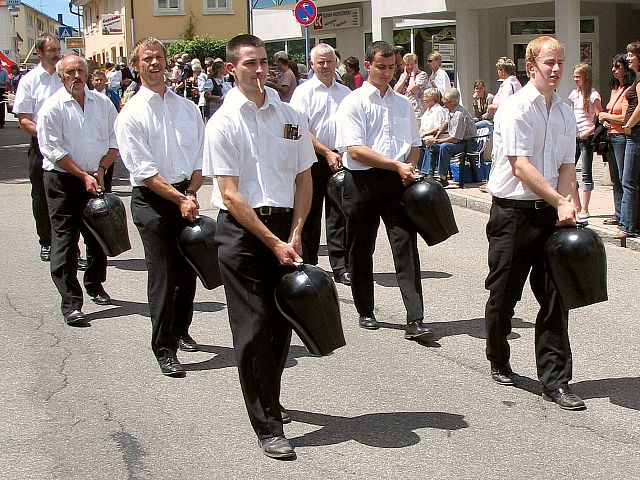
(385, 124)
(115, 78)
(523, 127)
(34, 88)
(440, 80)
(434, 117)
(159, 135)
(508, 87)
(319, 103)
(248, 142)
(64, 128)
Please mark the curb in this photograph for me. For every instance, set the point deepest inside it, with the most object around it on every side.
(484, 206)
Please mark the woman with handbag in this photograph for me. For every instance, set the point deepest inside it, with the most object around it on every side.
(612, 118)
(586, 103)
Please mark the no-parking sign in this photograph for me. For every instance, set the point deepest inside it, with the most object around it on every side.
(305, 12)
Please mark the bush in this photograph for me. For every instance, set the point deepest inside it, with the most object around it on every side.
(200, 47)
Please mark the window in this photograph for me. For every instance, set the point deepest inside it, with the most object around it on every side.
(40, 24)
(29, 20)
(169, 7)
(217, 6)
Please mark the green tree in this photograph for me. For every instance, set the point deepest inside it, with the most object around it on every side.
(200, 46)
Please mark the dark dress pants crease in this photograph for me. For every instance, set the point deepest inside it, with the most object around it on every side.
(516, 242)
(171, 284)
(371, 195)
(261, 335)
(38, 194)
(336, 228)
(67, 198)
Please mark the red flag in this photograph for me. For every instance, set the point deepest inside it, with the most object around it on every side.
(5, 62)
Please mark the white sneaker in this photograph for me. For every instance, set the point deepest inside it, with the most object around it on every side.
(583, 216)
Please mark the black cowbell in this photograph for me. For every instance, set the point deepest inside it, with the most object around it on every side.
(106, 218)
(196, 243)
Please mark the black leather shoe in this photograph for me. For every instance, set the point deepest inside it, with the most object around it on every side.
(82, 264)
(75, 318)
(101, 298)
(503, 375)
(369, 322)
(171, 367)
(344, 278)
(417, 331)
(45, 253)
(277, 447)
(187, 344)
(285, 415)
(564, 397)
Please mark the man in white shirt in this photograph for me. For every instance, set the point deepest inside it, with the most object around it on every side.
(34, 88)
(76, 138)
(318, 99)
(439, 78)
(377, 130)
(114, 76)
(532, 182)
(160, 136)
(259, 150)
(506, 70)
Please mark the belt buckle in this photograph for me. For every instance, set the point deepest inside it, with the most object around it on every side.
(265, 210)
(539, 204)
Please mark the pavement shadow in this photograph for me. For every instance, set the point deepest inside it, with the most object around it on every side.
(225, 358)
(388, 279)
(131, 264)
(123, 308)
(623, 391)
(382, 430)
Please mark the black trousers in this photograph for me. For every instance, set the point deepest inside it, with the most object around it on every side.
(67, 198)
(336, 224)
(261, 335)
(370, 195)
(171, 285)
(2, 106)
(38, 194)
(516, 240)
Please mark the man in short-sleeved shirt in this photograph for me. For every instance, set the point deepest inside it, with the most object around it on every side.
(4, 86)
(34, 88)
(76, 137)
(259, 151)
(377, 130)
(160, 135)
(318, 98)
(532, 182)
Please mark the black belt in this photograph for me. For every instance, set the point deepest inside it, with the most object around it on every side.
(508, 202)
(267, 211)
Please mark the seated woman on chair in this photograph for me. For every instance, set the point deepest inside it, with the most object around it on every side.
(433, 123)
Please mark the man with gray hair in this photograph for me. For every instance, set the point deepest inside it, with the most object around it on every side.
(462, 129)
(34, 88)
(318, 99)
(77, 140)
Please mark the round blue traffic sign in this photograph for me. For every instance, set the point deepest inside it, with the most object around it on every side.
(305, 12)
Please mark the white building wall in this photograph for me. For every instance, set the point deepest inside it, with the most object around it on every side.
(7, 34)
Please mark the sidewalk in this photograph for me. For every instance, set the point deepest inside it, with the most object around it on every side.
(600, 206)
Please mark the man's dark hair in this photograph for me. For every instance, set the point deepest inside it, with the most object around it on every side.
(241, 41)
(400, 50)
(44, 38)
(383, 48)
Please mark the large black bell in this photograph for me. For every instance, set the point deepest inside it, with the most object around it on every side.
(335, 189)
(429, 209)
(106, 217)
(577, 262)
(196, 244)
(308, 298)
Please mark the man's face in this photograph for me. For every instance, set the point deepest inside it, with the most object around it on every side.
(546, 70)
(73, 74)
(252, 65)
(448, 104)
(399, 63)
(324, 66)
(99, 81)
(381, 70)
(50, 53)
(151, 66)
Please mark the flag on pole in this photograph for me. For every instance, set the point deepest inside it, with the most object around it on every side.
(5, 62)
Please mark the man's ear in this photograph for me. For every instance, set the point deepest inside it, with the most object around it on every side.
(229, 68)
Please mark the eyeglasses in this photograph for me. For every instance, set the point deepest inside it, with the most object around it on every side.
(429, 61)
(615, 67)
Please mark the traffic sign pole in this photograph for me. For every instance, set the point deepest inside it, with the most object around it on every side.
(307, 44)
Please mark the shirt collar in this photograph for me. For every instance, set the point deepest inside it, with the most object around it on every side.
(370, 90)
(316, 83)
(41, 71)
(67, 97)
(236, 99)
(149, 94)
(534, 95)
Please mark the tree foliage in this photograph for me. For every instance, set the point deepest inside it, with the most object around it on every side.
(200, 46)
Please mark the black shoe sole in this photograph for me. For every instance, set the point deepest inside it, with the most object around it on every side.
(101, 302)
(188, 349)
(280, 456)
(419, 336)
(370, 327)
(510, 383)
(564, 407)
(175, 374)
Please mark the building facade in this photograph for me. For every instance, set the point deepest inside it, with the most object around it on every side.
(8, 35)
(111, 27)
(29, 24)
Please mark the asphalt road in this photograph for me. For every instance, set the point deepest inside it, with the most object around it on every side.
(90, 403)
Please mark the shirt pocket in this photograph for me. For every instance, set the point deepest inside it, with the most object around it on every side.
(284, 153)
(187, 135)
